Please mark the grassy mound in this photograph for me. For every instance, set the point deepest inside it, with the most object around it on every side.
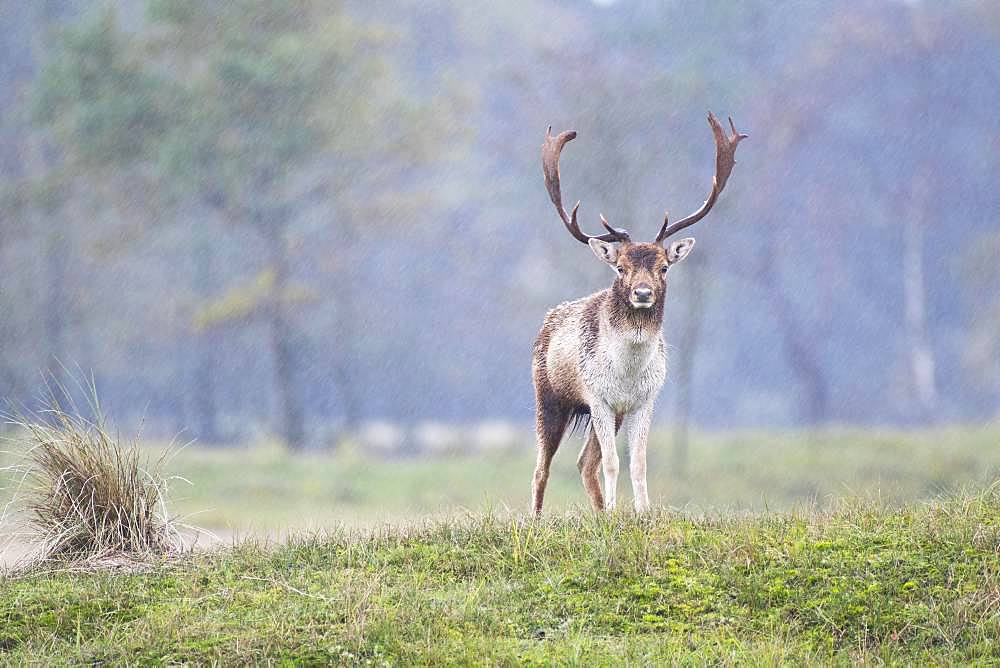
(85, 495)
(920, 584)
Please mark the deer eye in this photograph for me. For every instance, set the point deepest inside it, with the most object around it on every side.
(621, 270)
(664, 270)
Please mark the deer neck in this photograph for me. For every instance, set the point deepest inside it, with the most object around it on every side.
(636, 325)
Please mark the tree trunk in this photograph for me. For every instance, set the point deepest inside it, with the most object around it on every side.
(292, 415)
(345, 372)
(690, 337)
(56, 310)
(290, 406)
(921, 365)
(204, 393)
(55, 289)
(814, 403)
(205, 363)
(39, 163)
(344, 369)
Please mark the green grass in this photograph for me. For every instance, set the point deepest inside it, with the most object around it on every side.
(263, 488)
(860, 583)
(758, 562)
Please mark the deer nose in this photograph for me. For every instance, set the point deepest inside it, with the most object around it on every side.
(643, 294)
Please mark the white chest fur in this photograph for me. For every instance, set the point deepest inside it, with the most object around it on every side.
(628, 368)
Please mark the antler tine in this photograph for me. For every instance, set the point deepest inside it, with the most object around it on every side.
(725, 147)
(551, 149)
(619, 232)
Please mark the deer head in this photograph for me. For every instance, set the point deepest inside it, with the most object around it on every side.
(641, 267)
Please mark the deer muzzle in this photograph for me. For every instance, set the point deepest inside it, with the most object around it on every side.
(642, 296)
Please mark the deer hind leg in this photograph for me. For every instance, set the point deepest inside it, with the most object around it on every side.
(589, 464)
(550, 424)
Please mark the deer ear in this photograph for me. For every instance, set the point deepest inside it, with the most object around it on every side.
(679, 250)
(604, 250)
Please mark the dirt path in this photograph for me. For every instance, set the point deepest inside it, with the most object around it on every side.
(15, 550)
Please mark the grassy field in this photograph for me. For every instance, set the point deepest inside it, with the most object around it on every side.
(261, 489)
(759, 561)
(264, 489)
(858, 584)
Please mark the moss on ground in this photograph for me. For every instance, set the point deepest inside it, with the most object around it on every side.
(859, 583)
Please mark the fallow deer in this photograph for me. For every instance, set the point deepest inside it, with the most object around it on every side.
(604, 355)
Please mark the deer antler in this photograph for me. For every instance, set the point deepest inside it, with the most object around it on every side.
(724, 161)
(550, 168)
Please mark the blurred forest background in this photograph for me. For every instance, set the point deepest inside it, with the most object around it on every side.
(302, 219)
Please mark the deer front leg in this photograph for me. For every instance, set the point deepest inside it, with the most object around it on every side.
(602, 420)
(637, 432)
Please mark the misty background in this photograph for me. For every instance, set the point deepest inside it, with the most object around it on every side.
(302, 220)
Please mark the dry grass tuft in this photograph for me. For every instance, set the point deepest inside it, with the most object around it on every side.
(88, 496)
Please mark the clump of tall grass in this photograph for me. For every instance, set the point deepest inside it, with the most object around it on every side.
(87, 495)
